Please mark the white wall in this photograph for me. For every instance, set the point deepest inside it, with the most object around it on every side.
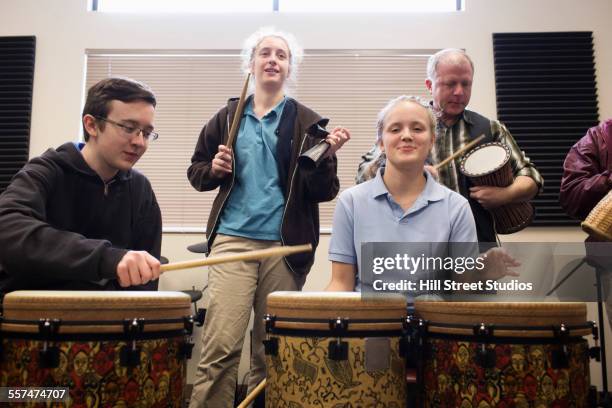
(65, 29)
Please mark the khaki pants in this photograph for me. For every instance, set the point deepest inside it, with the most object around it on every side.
(234, 289)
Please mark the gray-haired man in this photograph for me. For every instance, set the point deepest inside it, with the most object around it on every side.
(450, 74)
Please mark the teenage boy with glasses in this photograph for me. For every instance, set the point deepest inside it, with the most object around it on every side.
(80, 217)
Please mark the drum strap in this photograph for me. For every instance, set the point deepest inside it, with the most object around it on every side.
(479, 125)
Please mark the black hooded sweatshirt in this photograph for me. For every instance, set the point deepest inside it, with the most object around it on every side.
(62, 227)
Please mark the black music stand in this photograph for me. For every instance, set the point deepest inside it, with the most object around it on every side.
(605, 399)
(199, 248)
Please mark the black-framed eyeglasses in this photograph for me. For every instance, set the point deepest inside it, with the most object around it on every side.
(132, 130)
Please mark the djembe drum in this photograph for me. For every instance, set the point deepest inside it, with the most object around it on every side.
(329, 349)
(504, 354)
(108, 348)
(599, 221)
(489, 165)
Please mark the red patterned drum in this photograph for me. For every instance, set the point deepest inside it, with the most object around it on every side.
(111, 349)
(489, 165)
(504, 354)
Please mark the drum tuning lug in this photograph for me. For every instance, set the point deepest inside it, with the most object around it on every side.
(339, 325)
(559, 358)
(594, 330)
(422, 326)
(593, 397)
(200, 317)
(188, 324)
(337, 350)
(485, 357)
(49, 355)
(562, 332)
(407, 323)
(482, 330)
(271, 346)
(405, 346)
(595, 353)
(48, 327)
(129, 356)
(185, 349)
(270, 322)
(133, 327)
(420, 334)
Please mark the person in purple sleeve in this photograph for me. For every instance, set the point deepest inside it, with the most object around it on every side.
(587, 171)
(587, 178)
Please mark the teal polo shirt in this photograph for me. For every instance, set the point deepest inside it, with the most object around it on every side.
(255, 206)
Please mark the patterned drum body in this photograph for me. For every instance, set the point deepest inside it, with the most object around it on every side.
(302, 371)
(489, 165)
(599, 221)
(89, 348)
(525, 364)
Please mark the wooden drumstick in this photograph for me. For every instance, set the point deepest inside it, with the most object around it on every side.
(249, 398)
(245, 256)
(458, 152)
(238, 115)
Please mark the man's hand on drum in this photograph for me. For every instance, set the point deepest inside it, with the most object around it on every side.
(137, 268)
(222, 162)
(522, 189)
(490, 197)
(497, 264)
(336, 139)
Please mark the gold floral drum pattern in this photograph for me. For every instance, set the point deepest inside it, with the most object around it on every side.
(334, 350)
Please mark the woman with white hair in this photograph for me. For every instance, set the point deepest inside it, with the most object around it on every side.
(265, 200)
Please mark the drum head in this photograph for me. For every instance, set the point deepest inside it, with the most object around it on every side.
(511, 314)
(90, 306)
(484, 159)
(304, 306)
(599, 221)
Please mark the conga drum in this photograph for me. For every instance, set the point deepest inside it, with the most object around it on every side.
(486, 354)
(334, 349)
(489, 165)
(108, 348)
(599, 221)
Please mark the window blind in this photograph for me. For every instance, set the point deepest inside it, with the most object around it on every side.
(347, 86)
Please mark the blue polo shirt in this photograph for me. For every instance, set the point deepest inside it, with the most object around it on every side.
(255, 206)
(367, 212)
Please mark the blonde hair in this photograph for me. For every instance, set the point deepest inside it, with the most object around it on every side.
(379, 161)
(382, 115)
